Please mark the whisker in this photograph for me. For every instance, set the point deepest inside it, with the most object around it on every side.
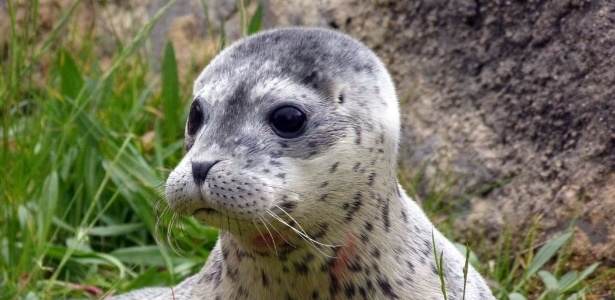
(276, 230)
(173, 243)
(300, 233)
(304, 237)
(302, 230)
(271, 235)
(261, 234)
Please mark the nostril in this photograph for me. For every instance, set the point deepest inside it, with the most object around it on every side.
(200, 170)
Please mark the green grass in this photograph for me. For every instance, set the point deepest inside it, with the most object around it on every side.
(85, 152)
(80, 177)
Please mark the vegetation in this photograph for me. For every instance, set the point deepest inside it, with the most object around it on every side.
(85, 155)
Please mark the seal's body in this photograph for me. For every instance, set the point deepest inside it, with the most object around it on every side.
(291, 152)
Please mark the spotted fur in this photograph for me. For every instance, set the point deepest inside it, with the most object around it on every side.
(318, 216)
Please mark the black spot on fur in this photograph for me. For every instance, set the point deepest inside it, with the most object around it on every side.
(375, 252)
(225, 253)
(217, 273)
(334, 288)
(434, 269)
(370, 179)
(349, 290)
(386, 288)
(362, 292)
(385, 216)
(308, 258)
(369, 285)
(357, 131)
(404, 217)
(355, 266)
(311, 78)
(301, 268)
(288, 206)
(333, 167)
(364, 238)
(242, 291)
(410, 266)
(322, 230)
(354, 206)
(315, 294)
(232, 273)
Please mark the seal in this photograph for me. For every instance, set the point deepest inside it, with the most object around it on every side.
(291, 151)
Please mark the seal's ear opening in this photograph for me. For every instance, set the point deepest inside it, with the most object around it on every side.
(340, 98)
(338, 94)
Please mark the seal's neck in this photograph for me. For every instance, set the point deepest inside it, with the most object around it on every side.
(357, 250)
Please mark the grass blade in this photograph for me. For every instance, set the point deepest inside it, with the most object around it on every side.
(71, 79)
(256, 21)
(115, 230)
(546, 253)
(170, 93)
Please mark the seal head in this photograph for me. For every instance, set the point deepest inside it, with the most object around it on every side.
(282, 122)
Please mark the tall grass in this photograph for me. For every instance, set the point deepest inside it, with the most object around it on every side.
(84, 156)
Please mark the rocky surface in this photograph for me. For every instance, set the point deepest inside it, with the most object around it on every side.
(515, 99)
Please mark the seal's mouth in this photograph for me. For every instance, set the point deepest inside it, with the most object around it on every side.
(207, 211)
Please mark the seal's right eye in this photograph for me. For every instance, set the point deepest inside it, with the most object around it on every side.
(195, 119)
(288, 121)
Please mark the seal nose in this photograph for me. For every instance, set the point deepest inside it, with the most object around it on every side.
(200, 170)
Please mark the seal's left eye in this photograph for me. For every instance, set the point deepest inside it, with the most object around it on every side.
(195, 119)
(288, 121)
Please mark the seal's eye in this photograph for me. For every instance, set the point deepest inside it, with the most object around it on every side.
(288, 121)
(195, 119)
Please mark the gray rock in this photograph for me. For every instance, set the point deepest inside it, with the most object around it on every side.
(517, 99)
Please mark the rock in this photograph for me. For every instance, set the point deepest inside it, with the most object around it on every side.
(519, 96)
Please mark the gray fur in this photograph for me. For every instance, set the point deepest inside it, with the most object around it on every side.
(319, 216)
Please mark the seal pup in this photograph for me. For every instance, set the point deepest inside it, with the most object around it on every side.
(291, 151)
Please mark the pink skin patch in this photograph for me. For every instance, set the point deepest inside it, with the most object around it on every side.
(266, 240)
(345, 256)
